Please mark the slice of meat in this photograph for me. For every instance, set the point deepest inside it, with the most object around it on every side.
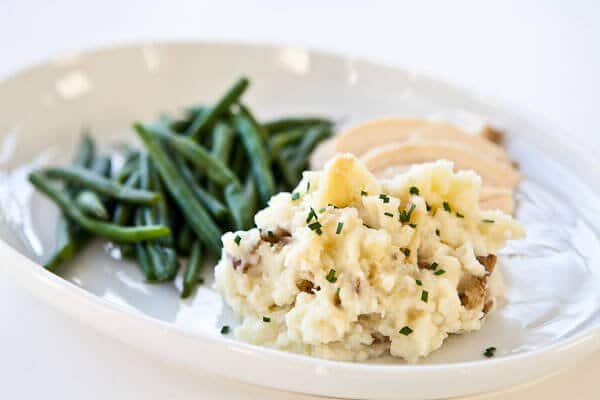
(492, 172)
(366, 136)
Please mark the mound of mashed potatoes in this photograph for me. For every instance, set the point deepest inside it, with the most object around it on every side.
(347, 267)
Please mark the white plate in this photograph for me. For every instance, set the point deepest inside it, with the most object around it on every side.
(552, 313)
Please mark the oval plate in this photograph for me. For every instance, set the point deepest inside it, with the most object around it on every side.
(552, 311)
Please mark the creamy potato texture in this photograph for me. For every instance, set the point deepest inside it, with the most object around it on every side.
(349, 267)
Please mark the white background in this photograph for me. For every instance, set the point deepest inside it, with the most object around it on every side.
(541, 56)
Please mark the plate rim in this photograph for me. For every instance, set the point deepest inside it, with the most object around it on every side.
(54, 287)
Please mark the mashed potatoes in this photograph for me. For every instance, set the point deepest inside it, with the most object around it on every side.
(348, 267)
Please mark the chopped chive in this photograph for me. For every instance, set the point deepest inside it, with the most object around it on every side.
(295, 196)
(412, 225)
(439, 272)
(338, 230)
(337, 293)
(459, 215)
(315, 226)
(224, 330)
(332, 205)
(488, 221)
(406, 251)
(366, 226)
(388, 214)
(322, 210)
(490, 352)
(405, 216)
(433, 266)
(414, 190)
(405, 331)
(312, 214)
(447, 206)
(307, 186)
(424, 296)
(437, 232)
(384, 197)
(363, 193)
(237, 239)
(270, 234)
(427, 206)
(266, 319)
(331, 276)
(419, 282)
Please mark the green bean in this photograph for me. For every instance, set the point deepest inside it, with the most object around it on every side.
(91, 205)
(205, 120)
(257, 126)
(123, 211)
(131, 165)
(278, 141)
(212, 167)
(85, 152)
(259, 158)
(67, 243)
(101, 185)
(102, 166)
(222, 142)
(164, 261)
(69, 237)
(212, 204)
(162, 208)
(238, 204)
(251, 195)
(185, 240)
(107, 230)
(239, 160)
(284, 124)
(192, 271)
(193, 111)
(313, 136)
(142, 254)
(196, 216)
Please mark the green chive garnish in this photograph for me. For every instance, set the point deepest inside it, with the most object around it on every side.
(427, 206)
(295, 196)
(433, 266)
(270, 234)
(405, 216)
(488, 221)
(447, 206)
(424, 296)
(459, 215)
(414, 190)
(412, 225)
(439, 272)
(388, 214)
(363, 193)
(331, 276)
(315, 226)
(338, 230)
(405, 251)
(419, 282)
(490, 352)
(224, 330)
(307, 186)
(385, 198)
(237, 239)
(437, 232)
(311, 214)
(405, 331)
(266, 319)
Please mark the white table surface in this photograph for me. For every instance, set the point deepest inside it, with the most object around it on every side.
(543, 57)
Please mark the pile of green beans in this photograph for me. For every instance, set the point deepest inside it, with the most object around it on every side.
(196, 176)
